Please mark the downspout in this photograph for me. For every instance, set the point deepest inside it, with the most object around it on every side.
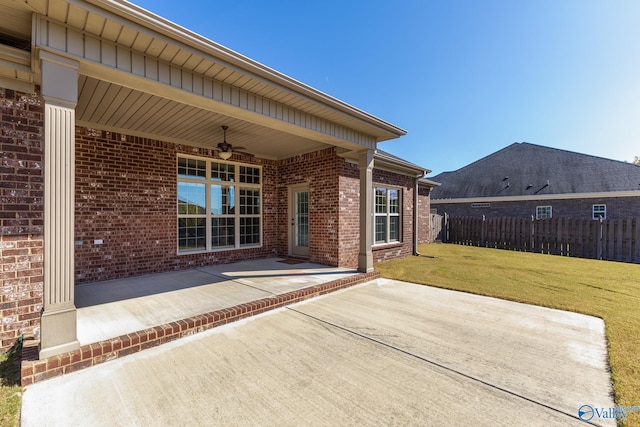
(415, 215)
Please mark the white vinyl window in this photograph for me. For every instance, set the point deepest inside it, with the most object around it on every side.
(599, 211)
(219, 205)
(543, 212)
(388, 221)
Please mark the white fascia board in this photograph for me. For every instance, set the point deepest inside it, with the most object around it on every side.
(237, 61)
(392, 164)
(566, 196)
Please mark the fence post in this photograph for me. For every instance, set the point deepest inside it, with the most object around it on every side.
(532, 234)
(483, 231)
(600, 227)
(445, 228)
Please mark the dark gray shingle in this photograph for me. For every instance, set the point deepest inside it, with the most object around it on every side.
(527, 169)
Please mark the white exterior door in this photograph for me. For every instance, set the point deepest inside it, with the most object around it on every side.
(299, 220)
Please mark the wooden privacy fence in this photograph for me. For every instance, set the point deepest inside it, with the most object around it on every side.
(437, 223)
(609, 239)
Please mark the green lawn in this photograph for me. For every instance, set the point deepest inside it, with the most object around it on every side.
(10, 391)
(605, 289)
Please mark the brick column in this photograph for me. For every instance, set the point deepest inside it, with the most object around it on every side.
(365, 256)
(60, 94)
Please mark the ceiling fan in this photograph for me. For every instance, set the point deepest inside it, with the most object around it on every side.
(226, 149)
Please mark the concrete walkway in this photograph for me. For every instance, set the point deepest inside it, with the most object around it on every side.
(382, 353)
(117, 307)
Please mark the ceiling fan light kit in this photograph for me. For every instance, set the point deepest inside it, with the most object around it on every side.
(225, 150)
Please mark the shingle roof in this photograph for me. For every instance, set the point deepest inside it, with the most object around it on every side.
(523, 169)
(399, 160)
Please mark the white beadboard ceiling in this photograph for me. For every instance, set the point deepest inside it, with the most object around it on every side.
(122, 109)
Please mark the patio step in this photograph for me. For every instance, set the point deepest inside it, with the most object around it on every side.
(34, 370)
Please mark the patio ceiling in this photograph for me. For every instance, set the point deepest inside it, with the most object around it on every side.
(120, 109)
(121, 104)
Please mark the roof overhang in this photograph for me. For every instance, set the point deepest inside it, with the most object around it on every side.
(175, 85)
(425, 182)
(384, 161)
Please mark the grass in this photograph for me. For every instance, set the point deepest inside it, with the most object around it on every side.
(10, 390)
(605, 289)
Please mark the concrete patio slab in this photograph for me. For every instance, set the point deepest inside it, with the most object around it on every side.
(117, 307)
(383, 353)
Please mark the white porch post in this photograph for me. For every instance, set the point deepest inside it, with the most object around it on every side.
(365, 256)
(60, 93)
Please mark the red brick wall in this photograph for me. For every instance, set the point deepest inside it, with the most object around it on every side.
(349, 224)
(320, 170)
(334, 187)
(424, 217)
(21, 213)
(126, 196)
(407, 185)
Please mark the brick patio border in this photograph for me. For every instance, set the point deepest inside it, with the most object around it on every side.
(88, 355)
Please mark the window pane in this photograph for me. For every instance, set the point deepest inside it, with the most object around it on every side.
(249, 201)
(599, 211)
(249, 175)
(381, 199)
(223, 200)
(302, 218)
(223, 172)
(223, 232)
(191, 198)
(249, 231)
(381, 229)
(394, 201)
(191, 233)
(192, 168)
(543, 212)
(394, 228)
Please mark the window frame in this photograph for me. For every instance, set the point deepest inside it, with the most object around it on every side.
(387, 215)
(539, 208)
(594, 213)
(231, 210)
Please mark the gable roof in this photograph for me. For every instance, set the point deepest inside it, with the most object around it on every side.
(523, 169)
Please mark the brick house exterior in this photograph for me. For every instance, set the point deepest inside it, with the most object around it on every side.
(95, 128)
(21, 213)
(424, 211)
(525, 180)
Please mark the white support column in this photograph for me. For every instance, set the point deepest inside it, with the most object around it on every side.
(60, 93)
(365, 257)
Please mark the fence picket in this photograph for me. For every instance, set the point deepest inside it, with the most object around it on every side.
(615, 240)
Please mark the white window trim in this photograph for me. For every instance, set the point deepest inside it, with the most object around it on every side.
(208, 216)
(593, 211)
(542, 207)
(388, 215)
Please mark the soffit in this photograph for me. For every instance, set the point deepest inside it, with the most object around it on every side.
(121, 109)
(15, 19)
(135, 28)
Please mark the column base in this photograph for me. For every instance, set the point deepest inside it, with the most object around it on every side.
(365, 263)
(58, 333)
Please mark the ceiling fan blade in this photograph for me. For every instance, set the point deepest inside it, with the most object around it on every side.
(238, 148)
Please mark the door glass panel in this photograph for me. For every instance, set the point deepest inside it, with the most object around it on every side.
(302, 218)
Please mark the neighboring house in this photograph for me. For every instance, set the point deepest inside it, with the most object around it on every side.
(525, 180)
(115, 162)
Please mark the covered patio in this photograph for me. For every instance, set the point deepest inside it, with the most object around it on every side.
(120, 317)
(118, 307)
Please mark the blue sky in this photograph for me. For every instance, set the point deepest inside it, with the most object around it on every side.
(465, 78)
